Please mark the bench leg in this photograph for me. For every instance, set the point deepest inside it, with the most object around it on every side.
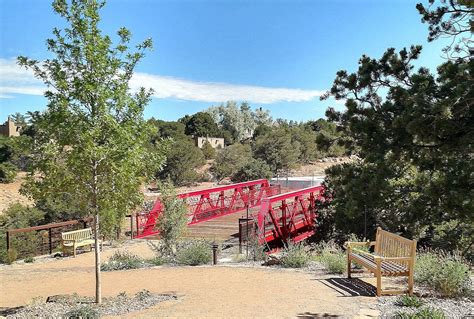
(410, 283)
(348, 267)
(378, 273)
(74, 248)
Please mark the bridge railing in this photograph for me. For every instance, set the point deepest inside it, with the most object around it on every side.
(210, 203)
(289, 216)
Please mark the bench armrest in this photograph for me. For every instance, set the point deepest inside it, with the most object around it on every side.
(350, 244)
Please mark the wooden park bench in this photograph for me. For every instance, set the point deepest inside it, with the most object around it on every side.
(393, 256)
(77, 238)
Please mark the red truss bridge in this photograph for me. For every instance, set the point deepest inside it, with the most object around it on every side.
(210, 203)
(289, 216)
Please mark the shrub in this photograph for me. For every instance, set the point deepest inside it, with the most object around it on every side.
(295, 256)
(331, 257)
(8, 172)
(121, 260)
(252, 170)
(29, 260)
(425, 313)
(446, 274)
(156, 261)
(208, 151)
(409, 301)
(193, 253)
(12, 255)
(172, 223)
(84, 312)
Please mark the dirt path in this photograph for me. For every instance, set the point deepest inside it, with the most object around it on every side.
(207, 291)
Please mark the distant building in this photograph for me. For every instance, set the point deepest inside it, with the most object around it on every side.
(9, 128)
(216, 142)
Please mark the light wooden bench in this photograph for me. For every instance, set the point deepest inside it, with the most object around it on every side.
(393, 256)
(77, 238)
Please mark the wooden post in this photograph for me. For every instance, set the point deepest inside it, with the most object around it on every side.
(131, 226)
(348, 261)
(8, 240)
(378, 273)
(50, 237)
(412, 269)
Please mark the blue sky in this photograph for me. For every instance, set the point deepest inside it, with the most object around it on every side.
(279, 55)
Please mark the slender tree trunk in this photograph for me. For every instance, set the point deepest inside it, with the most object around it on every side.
(98, 287)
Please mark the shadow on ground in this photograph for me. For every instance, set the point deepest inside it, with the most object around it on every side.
(5, 311)
(350, 286)
(310, 315)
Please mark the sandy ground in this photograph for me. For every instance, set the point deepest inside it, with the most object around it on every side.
(9, 193)
(206, 291)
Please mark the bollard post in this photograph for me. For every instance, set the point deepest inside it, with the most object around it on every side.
(214, 253)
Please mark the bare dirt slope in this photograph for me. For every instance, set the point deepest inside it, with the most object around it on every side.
(207, 291)
(10, 193)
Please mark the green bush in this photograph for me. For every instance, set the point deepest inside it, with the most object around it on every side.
(409, 301)
(208, 151)
(84, 312)
(156, 261)
(193, 253)
(29, 260)
(446, 274)
(8, 172)
(295, 256)
(252, 170)
(425, 313)
(331, 257)
(122, 260)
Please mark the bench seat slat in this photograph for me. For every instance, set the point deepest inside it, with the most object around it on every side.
(387, 267)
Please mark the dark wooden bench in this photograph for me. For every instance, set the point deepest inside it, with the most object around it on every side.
(393, 256)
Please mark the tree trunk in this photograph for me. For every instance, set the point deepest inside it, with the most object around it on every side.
(98, 287)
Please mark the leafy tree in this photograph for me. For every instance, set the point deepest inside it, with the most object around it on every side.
(278, 150)
(19, 119)
(182, 160)
(92, 140)
(240, 122)
(200, 124)
(208, 151)
(172, 223)
(252, 170)
(166, 129)
(230, 160)
(307, 141)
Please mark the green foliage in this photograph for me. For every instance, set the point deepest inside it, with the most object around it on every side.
(92, 139)
(122, 260)
(182, 160)
(20, 216)
(331, 257)
(83, 312)
(252, 170)
(156, 261)
(172, 223)
(208, 151)
(409, 301)
(29, 260)
(8, 173)
(174, 130)
(11, 256)
(445, 274)
(200, 124)
(455, 235)
(295, 256)
(278, 150)
(194, 252)
(230, 160)
(425, 313)
(414, 142)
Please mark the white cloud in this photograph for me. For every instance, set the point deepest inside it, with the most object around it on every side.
(14, 80)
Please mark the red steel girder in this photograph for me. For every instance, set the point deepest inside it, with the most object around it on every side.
(289, 216)
(210, 203)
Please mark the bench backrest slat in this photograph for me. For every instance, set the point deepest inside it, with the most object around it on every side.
(392, 245)
(78, 235)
